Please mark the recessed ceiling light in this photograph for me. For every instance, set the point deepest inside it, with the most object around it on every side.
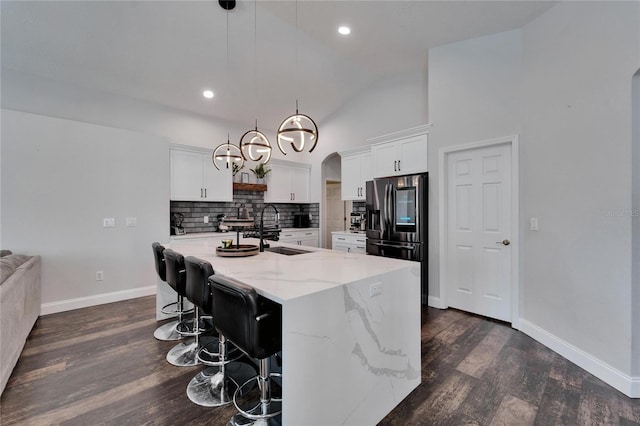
(207, 94)
(344, 30)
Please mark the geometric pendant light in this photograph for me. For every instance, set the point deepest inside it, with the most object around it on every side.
(255, 146)
(298, 129)
(226, 154)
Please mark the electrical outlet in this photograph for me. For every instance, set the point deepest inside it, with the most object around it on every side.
(109, 222)
(375, 289)
(206, 219)
(132, 221)
(99, 275)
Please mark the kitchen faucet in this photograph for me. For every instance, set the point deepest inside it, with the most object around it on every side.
(262, 243)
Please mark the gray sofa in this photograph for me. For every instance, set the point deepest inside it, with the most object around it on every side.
(19, 307)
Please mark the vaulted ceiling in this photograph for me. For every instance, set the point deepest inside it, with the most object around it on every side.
(255, 58)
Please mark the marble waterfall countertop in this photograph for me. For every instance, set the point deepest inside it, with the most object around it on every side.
(350, 327)
(280, 277)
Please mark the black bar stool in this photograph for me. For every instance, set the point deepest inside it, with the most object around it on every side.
(254, 324)
(215, 385)
(184, 353)
(167, 331)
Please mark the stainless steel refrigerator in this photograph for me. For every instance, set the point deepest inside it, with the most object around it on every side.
(396, 220)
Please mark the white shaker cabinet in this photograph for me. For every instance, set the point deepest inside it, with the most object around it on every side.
(288, 182)
(195, 178)
(302, 237)
(349, 242)
(356, 171)
(400, 153)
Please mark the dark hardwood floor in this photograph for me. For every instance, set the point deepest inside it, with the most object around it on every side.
(101, 365)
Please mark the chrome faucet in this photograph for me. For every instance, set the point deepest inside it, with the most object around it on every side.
(262, 243)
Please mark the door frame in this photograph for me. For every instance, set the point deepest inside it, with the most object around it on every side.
(443, 211)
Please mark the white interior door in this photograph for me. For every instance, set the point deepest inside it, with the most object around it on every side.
(479, 191)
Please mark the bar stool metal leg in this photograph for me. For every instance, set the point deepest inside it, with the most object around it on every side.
(216, 385)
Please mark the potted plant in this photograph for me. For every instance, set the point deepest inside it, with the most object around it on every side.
(235, 169)
(260, 171)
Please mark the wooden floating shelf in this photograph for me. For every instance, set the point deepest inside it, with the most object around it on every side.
(249, 187)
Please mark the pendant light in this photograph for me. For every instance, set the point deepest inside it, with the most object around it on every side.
(226, 153)
(254, 145)
(298, 129)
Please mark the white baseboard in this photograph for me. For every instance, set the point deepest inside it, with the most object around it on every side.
(626, 384)
(435, 302)
(98, 299)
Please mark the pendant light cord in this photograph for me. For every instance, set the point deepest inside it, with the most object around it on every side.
(255, 60)
(297, 72)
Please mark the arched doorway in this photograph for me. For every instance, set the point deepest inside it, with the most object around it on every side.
(333, 211)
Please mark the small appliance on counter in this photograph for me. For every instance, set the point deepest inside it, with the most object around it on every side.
(176, 224)
(221, 226)
(357, 222)
(301, 220)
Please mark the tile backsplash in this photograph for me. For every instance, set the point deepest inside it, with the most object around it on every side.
(195, 211)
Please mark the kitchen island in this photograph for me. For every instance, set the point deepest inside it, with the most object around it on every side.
(351, 328)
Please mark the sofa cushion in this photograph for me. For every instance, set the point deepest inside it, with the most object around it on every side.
(8, 265)
(5, 253)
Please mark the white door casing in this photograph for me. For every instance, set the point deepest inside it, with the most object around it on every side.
(479, 228)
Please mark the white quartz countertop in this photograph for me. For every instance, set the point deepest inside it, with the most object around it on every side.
(362, 233)
(280, 277)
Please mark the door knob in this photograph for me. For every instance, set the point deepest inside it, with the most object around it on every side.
(504, 242)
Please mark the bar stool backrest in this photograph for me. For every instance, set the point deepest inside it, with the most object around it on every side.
(251, 322)
(176, 275)
(158, 257)
(198, 288)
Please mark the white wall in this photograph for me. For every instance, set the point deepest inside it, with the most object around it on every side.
(390, 105)
(60, 178)
(474, 95)
(635, 218)
(579, 58)
(563, 83)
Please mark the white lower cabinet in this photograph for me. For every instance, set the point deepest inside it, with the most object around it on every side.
(348, 242)
(301, 237)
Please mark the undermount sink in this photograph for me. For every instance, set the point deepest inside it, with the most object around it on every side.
(287, 251)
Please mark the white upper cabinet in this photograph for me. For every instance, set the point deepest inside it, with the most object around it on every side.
(356, 170)
(195, 178)
(400, 153)
(288, 182)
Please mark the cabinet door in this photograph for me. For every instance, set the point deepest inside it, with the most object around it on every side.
(300, 178)
(342, 247)
(351, 171)
(384, 161)
(309, 238)
(186, 176)
(278, 185)
(365, 170)
(218, 184)
(412, 155)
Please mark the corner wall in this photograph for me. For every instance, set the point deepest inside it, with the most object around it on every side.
(635, 224)
(579, 58)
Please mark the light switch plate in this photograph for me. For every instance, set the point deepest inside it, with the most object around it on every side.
(206, 219)
(109, 222)
(533, 224)
(132, 221)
